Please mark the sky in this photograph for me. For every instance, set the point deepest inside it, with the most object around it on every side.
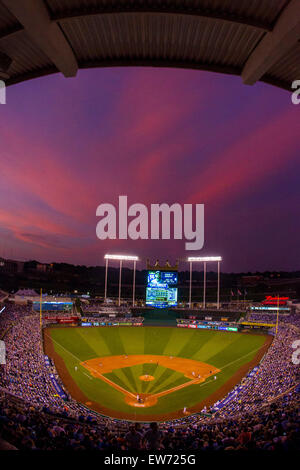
(157, 136)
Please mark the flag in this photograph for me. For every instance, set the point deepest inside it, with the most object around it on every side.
(239, 292)
(232, 293)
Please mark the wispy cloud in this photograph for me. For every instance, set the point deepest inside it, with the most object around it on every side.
(155, 135)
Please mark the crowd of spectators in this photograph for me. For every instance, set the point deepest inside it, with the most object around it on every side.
(96, 306)
(274, 427)
(264, 414)
(293, 318)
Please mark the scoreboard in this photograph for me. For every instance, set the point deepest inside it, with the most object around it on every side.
(162, 289)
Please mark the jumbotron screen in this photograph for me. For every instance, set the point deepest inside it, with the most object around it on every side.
(162, 289)
(53, 306)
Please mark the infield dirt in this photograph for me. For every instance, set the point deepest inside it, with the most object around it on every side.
(196, 371)
(78, 395)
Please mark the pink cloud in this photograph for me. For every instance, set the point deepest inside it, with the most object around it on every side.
(250, 160)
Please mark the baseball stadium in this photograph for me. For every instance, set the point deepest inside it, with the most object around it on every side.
(115, 368)
(129, 354)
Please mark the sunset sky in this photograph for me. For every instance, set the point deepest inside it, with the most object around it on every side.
(155, 135)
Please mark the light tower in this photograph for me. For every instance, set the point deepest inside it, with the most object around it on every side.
(120, 258)
(204, 259)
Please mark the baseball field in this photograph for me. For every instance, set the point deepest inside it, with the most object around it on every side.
(151, 373)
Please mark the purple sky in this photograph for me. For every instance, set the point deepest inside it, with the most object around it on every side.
(155, 135)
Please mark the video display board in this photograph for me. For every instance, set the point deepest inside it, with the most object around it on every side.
(162, 289)
(53, 306)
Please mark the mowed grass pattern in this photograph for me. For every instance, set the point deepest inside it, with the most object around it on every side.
(224, 350)
(164, 378)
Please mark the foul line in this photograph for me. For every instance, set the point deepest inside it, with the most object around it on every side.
(195, 381)
(232, 362)
(105, 379)
(87, 375)
(163, 393)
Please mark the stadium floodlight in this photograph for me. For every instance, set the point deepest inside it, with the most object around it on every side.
(120, 258)
(204, 260)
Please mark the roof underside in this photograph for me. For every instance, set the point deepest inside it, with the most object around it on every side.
(259, 40)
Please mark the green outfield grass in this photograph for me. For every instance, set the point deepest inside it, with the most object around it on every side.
(225, 350)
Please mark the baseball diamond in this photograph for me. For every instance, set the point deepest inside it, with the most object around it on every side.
(151, 373)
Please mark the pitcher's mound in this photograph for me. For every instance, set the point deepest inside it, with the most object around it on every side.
(146, 378)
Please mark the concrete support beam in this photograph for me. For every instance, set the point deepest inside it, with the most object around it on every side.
(5, 62)
(274, 45)
(46, 34)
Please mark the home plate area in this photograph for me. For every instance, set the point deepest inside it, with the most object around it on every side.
(192, 373)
